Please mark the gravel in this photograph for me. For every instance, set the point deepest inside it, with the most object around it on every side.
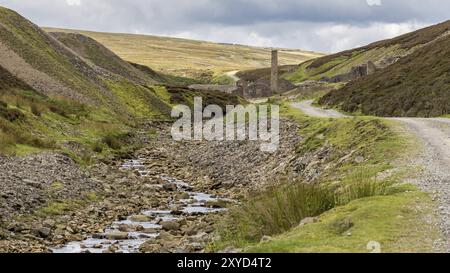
(434, 135)
(308, 109)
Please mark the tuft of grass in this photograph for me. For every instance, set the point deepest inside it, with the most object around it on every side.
(57, 186)
(98, 148)
(390, 220)
(113, 141)
(63, 207)
(93, 197)
(223, 80)
(57, 208)
(162, 93)
(279, 209)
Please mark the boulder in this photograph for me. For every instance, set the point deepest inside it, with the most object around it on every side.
(191, 230)
(217, 204)
(140, 218)
(193, 247)
(125, 228)
(308, 220)
(49, 223)
(170, 187)
(266, 239)
(343, 225)
(150, 247)
(168, 226)
(117, 236)
(182, 222)
(166, 236)
(149, 230)
(44, 232)
(185, 196)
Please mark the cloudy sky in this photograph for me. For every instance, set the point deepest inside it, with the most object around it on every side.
(320, 25)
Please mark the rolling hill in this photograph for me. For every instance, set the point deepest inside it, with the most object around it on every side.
(190, 58)
(336, 67)
(409, 75)
(418, 85)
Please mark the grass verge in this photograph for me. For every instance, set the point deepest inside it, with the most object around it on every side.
(358, 198)
(390, 220)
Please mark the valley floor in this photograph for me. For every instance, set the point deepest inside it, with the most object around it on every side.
(61, 210)
(70, 203)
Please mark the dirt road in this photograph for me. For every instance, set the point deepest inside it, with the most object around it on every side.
(232, 74)
(307, 108)
(434, 135)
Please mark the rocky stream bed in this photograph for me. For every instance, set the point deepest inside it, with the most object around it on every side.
(129, 234)
(168, 199)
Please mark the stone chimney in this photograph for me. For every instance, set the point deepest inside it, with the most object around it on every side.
(274, 74)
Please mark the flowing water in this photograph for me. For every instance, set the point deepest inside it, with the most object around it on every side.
(137, 232)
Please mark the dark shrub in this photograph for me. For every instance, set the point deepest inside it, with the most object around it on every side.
(57, 110)
(11, 114)
(98, 148)
(113, 141)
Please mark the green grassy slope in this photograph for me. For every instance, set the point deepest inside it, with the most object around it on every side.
(65, 88)
(41, 52)
(389, 220)
(53, 69)
(342, 62)
(417, 85)
(51, 95)
(264, 73)
(30, 121)
(99, 55)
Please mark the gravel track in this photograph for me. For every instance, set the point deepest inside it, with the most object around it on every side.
(233, 75)
(434, 135)
(307, 108)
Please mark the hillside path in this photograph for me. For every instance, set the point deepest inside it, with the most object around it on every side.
(307, 108)
(232, 74)
(434, 158)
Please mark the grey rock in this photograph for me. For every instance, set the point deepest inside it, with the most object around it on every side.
(168, 226)
(308, 220)
(266, 239)
(44, 232)
(170, 187)
(117, 236)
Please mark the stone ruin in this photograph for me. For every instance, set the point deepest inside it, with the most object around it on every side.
(274, 73)
(355, 73)
(260, 88)
(264, 87)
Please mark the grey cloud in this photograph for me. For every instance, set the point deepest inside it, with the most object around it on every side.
(325, 25)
